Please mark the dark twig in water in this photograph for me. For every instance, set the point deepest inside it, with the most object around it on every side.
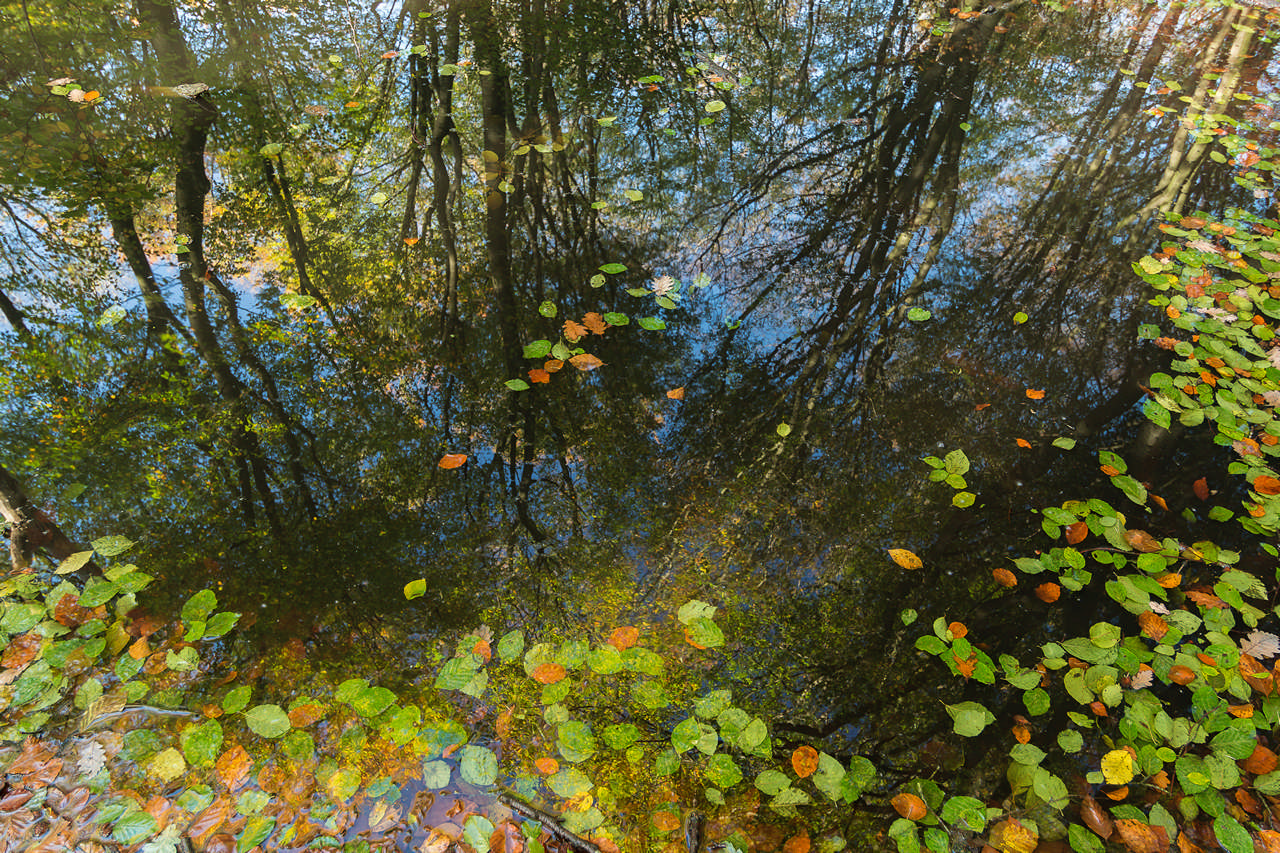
(549, 822)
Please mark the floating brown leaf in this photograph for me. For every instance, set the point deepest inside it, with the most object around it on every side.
(595, 323)
(1266, 485)
(304, 715)
(797, 844)
(1142, 838)
(547, 766)
(537, 375)
(665, 821)
(1096, 818)
(208, 822)
(1263, 760)
(1153, 625)
(553, 365)
(548, 673)
(804, 761)
(1033, 394)
(1141, 540)
(1205, 599)
(1180, 674)
(1021, 733)
(909, 806)
(1270, 840)
(1004, 577)
(574, 331)
(1048, 592)
(676, 393)
(1077, 532)
(1012, 836)
(586, 361)
(24, 648)
(233, 767)
(623, 637)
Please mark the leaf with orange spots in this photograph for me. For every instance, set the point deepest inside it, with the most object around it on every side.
(574, 331)
(595, 323)
(1033, 394)
(547, 766)
(1004, 577)
(548, 673)
(676, 393)
(623, 637)
(453, 460)
(1076, 532)
(537, 374)
(1022, 442)
(804, 761)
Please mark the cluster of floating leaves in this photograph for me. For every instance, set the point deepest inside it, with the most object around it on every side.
(127, 733)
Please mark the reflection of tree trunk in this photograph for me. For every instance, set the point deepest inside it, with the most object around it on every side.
(494, 108)
(31, 530)
(14, 316)
(160, 317)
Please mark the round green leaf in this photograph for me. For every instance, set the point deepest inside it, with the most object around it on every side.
(201, 744)
(268, 721)
(569, 783)
(723, 771)
(435, 774)
(479, 766)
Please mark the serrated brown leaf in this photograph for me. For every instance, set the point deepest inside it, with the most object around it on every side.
(35, 755)
(1096, 818)
(574, 331)
(595, 323)
(68, 611)
(676, 393)
(1140, 837)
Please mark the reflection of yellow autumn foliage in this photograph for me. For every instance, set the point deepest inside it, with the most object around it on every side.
(1117, 767)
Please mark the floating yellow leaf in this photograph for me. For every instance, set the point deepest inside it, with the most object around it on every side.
(905, 558)
(1117, 767)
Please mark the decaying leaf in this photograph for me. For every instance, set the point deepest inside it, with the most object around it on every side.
(586, 361)
(676, 393)
(1201, 488)
(595, 323)
(1261, 645)
(574, 331)
(1013, 836)
(548, 673)
(1142, 838)
(1141, 540)
(1095, 818)
(1077, 532)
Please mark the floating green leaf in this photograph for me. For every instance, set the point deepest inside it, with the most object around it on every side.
(478, 765)
(714, 106)
(569, 783)
(269, 721)
(201, 743)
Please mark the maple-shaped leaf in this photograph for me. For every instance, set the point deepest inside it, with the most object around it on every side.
(1261, 645)
(586, 361)
(595, 323)
(1143, 679)
(93, 757)
(574, 331)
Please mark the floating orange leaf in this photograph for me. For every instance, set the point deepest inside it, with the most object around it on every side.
(1077, 532)
(1153, 625)
(139, 649)
(411, 241)
(623, 638)
(1117, 794)
(1159, 501)
(1048, 592)
(797, 844)
(958, 629)
(1201, 488)
(595, 323)
(204, 824)
(665, 821)
(1033, 394)
(548, 673)
(1141, 837)
(553, 365)
(1012, 836)
(537, 374)
(1262, 760)
(586, 361)
(1004, 577)
(1243, 712)
(967, 666)
(574, 331)
(804, 761)
(233, 767)
(483, 649)
(909, 806)
(1022, 442)
(1169, 580)
(547, 766)
(1180, 674)
(304, 715)
(1021, 733)
(1141, 540)
(676, 393)
(1270, 840)
(1110, 470)
(905, 558)
(391, 54)
(981, 406)
(453, 460)
(1266, 485)
(1205, 599)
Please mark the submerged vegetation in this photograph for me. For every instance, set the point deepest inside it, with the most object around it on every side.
(640, 427)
